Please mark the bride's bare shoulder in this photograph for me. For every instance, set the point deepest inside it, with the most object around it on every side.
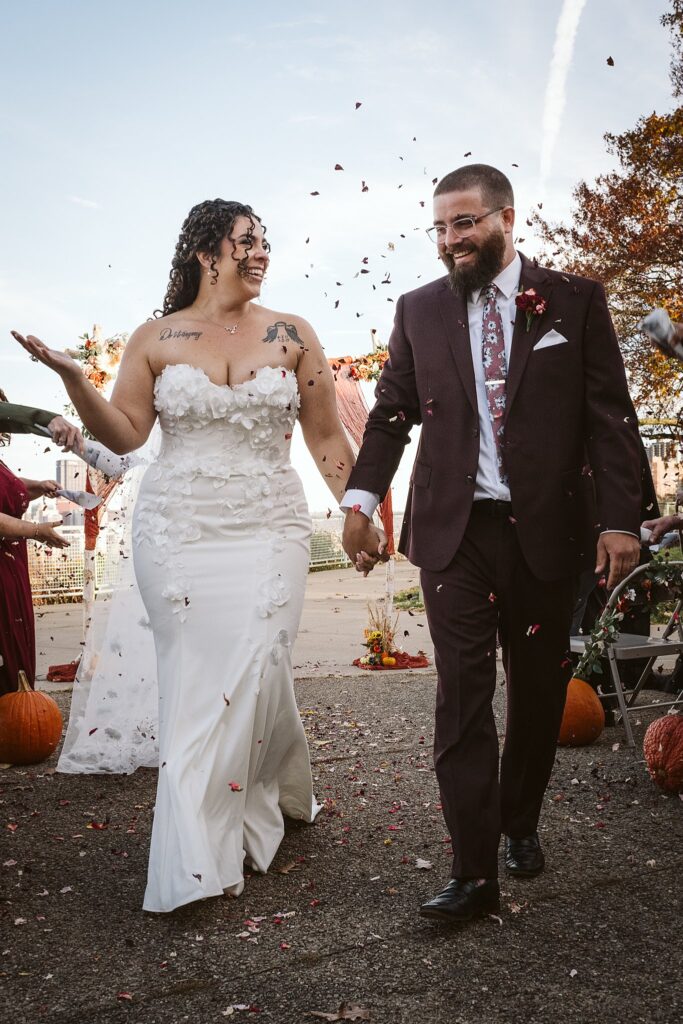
(156, 329)
(278, 325)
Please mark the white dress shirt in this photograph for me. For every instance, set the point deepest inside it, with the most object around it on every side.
(488, 483)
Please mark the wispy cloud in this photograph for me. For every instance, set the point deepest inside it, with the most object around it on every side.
(556, 90)
(90, 204)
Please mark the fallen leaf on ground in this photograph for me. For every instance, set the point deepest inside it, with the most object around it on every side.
(346, 1011)
(286, 868)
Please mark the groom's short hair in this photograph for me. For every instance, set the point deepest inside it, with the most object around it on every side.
(495, 188)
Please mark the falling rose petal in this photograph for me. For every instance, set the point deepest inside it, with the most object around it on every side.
(469, 153)
(363, 186)
(610, 61)
(235, 787)
(492, 597)
(93, 730)
(314, 193)
(338, 167)
(532, 630)
(358, 104)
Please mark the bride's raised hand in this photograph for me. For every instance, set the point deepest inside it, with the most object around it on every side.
(64, 365)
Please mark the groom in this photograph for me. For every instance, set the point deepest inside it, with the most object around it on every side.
(512, 401)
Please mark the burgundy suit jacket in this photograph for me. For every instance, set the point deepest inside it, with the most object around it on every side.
(564, 402)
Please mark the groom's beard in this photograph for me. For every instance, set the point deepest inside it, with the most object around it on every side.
(486, 265)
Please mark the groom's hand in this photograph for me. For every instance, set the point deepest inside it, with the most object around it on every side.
(621, 551)
(363, 542)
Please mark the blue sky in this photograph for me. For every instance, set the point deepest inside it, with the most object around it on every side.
(116, 119)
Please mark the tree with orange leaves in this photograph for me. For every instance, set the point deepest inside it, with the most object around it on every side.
(627, 232)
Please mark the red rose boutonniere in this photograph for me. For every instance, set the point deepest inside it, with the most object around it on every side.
(532, 305)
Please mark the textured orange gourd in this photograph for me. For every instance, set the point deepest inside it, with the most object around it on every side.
(584, 718)
(30, 725)
(663, 752)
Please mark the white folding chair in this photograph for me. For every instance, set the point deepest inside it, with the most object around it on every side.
(629, 646)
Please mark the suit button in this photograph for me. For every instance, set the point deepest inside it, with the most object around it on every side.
(470, 478)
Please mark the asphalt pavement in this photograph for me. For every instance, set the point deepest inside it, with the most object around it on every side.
(596, 938)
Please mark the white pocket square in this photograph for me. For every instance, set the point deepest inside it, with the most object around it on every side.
(551, 338)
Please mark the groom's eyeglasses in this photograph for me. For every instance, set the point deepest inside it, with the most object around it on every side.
(461, 228)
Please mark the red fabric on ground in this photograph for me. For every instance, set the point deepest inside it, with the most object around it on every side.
(63, 673)
(403, 660)
(17, 627)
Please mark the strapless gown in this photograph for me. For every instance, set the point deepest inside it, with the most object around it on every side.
(221, 547)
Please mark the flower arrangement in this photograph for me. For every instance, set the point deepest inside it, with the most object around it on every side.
(99, 357)
(532, 305)
(660, 582)
(379, 637)
(367, 367)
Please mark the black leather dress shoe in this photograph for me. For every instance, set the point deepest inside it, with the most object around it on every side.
(524, 857)
(461, 901)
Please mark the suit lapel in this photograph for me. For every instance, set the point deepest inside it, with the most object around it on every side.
(456, 324)
(522, 340)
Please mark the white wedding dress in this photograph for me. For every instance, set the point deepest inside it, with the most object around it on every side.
(220, 543)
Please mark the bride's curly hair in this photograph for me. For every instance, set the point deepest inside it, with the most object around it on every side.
(205, 227)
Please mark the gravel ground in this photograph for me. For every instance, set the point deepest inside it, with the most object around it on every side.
(596, 938)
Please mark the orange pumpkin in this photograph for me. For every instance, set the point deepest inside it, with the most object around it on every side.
(663, 751)
(584, 718)
(30, 725)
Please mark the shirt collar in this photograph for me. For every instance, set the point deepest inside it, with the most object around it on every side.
(507, 281)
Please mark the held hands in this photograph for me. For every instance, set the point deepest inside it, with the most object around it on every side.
(66, 435)
(45, 533)
(621, 551)
(65, 366)
(363, 542)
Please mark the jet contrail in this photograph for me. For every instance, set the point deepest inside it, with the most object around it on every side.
(555, 94)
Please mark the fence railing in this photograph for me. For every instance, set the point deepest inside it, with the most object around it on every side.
(58, 575)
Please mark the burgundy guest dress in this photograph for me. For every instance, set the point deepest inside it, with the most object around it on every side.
(17, 627)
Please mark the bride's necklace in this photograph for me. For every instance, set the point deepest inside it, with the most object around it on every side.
(228, 330)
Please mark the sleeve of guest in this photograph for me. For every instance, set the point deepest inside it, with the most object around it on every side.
(611, 424)
(395, 412)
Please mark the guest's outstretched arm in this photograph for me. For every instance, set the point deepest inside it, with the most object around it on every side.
(124, 422)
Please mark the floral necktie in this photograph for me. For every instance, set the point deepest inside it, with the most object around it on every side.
(495, 368)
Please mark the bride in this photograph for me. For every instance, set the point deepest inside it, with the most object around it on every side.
(220, 545)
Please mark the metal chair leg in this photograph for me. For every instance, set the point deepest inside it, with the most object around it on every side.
(614, 669)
